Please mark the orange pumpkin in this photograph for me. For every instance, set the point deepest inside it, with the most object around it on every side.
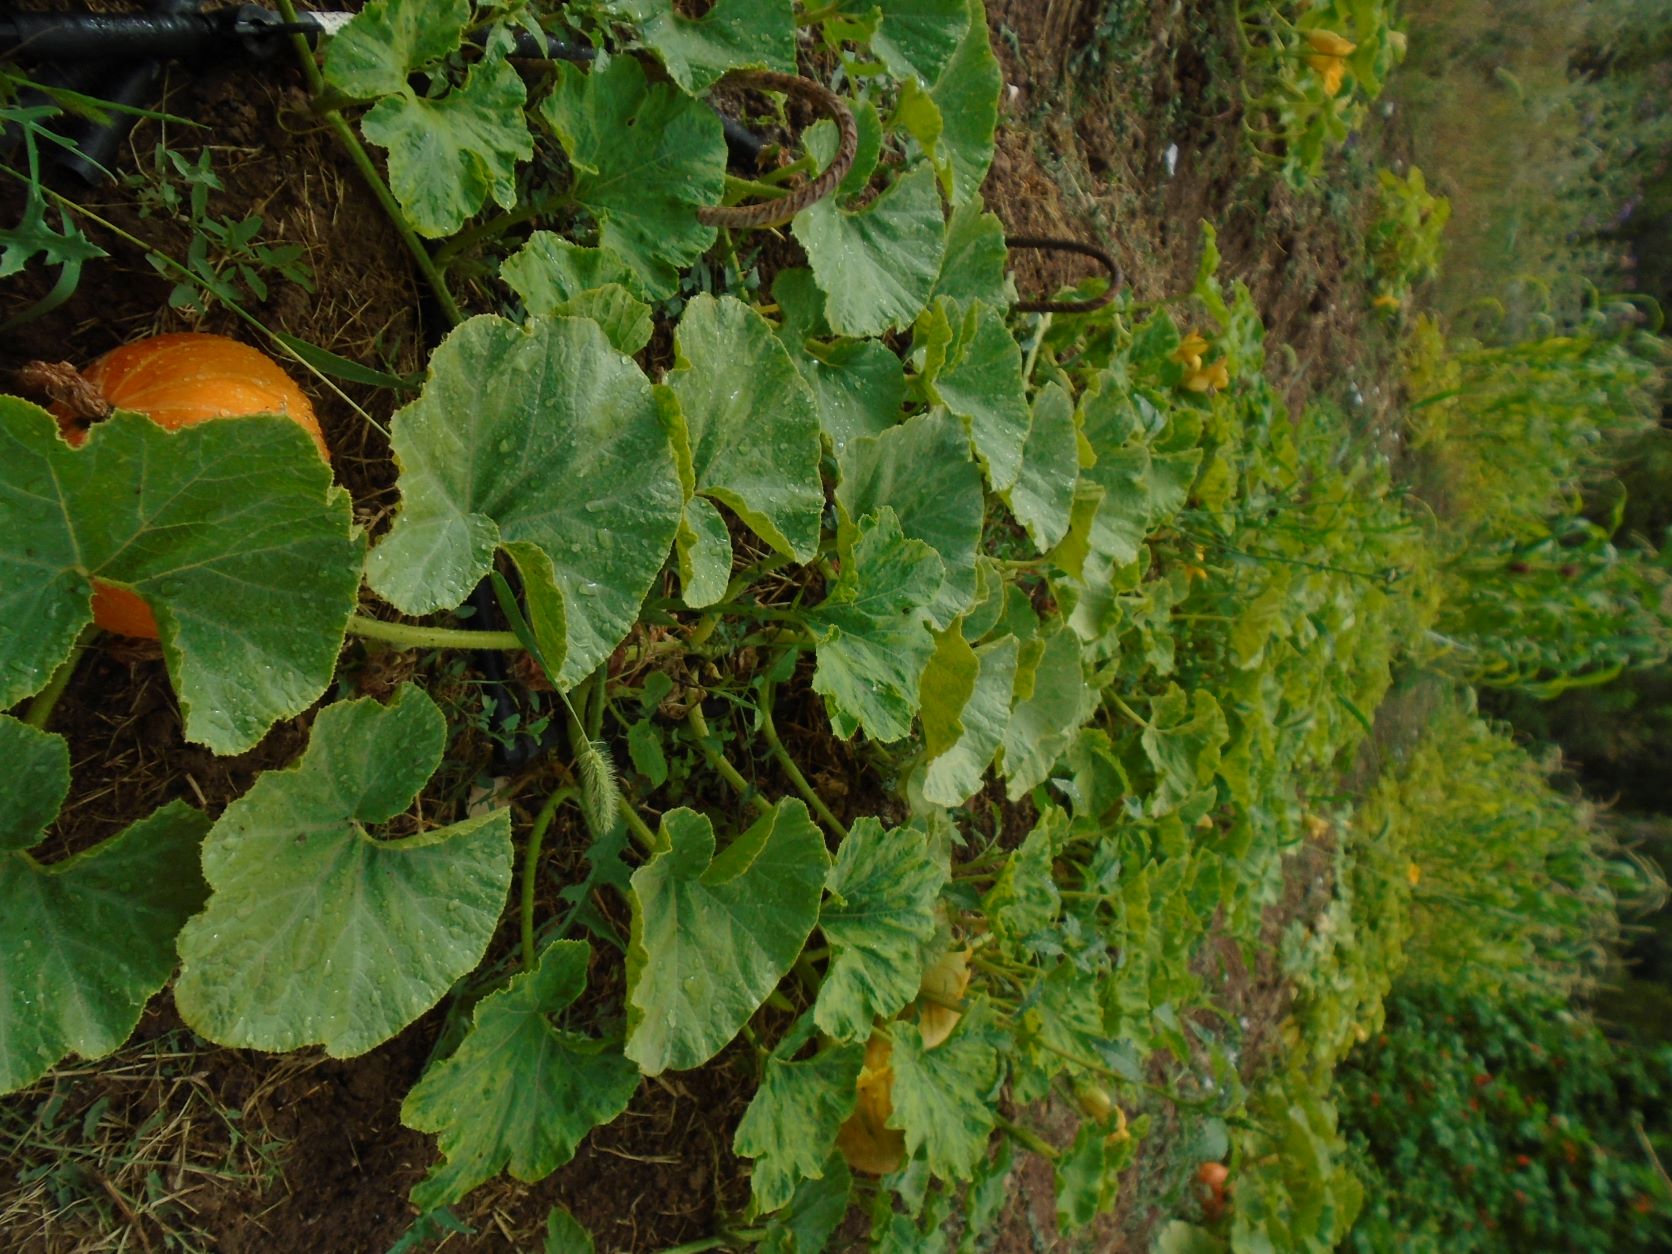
(179, 380)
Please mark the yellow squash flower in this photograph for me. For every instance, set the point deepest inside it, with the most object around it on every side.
(1190, 350)
(1331, 69)
(1413, 873)
(1208, 378)
(1328, 57)
(1329, 44)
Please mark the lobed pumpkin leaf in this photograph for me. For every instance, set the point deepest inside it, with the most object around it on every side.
(955, 772)
(916, 38)
(967, 95)
(876, 266)
(813, 1214)
(791, 1122)
(750, 424)
(973, 366)
(872, 630)
(1042, 498)
(759, 34)
(713, 935)
(541, 434)
(705, 553)
(645, 159)
(858, 385)
(879, 912)
(230, 531)
(1183, 742)
(519, 1092)
(555, 278)
(973, 266)
(448, 151)
(84, 943)
(317, 932)
(1042, 724)
(382, 45)
(941, 1099)
(922, 471)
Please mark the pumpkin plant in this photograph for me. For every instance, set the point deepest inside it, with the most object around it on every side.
(1031, 596)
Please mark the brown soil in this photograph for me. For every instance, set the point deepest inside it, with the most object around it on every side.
(314, 1157)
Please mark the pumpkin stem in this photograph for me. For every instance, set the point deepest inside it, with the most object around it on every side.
(68, 387)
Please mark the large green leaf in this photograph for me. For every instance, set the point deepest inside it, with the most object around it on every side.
(381, 46)
(705, 553)
(876, 266)
(945, 689)
(1043, 494)
(712, 936)
(821, 142)
(449, 152)
(973, 267)
(1024, 898)
(967, 94)
(1187, 731)
(519, 1092)
(872, 630)
(922, 471)
(84, 943)
(791, 1123)
(646, 158)
(813, 1214)
(1044, 722)
(858, 384)
(880, 911)
(447, 155)
(941, 1097)
(955, 773)
(916, 37)
(318, 932)
(974, 367)
(1120, 518)
(548, 270)
(759, 34)
(555, 278)
(230, 531)
(750, 423)
(540, 434)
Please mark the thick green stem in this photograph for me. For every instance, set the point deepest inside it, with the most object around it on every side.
(640, 829)
(776, 746)
(1033, 349)
(803, 164)
(412, 636)
(531, 866)
(697, 1247)
(368, 171)
(717, 760)
(812, 16)
(740, 189)
(40, 709)
(1126, 710)
(1027, 1137)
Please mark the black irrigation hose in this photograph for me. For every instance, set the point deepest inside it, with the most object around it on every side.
(1046, 243)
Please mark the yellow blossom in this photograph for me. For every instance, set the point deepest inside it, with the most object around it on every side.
(1413, 872)
(1331, 69)
(1208, 378)
(1387, 300)
(1190, 350)
(1330, 44)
